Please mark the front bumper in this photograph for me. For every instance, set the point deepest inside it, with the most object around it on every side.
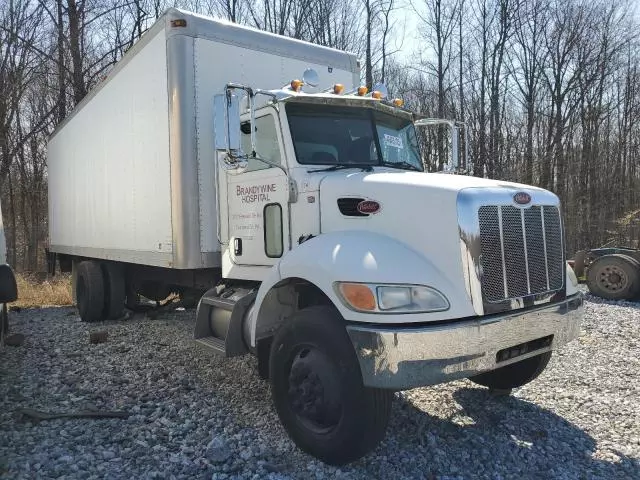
(403, 357)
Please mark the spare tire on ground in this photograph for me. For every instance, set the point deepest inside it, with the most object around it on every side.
(614, 277)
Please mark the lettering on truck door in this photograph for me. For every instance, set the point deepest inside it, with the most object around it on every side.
(258, 200)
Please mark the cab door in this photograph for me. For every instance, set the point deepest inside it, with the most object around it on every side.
(258, 198)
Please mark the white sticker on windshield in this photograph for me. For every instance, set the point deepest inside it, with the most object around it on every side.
(393, 141)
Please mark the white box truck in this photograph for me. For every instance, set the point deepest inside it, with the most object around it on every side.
(296, 207)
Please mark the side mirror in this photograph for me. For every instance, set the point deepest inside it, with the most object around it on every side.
(226, 123)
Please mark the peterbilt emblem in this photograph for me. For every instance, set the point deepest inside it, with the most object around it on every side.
(522, 198)
(368, 207)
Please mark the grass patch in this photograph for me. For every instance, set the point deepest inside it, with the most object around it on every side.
(34, 292)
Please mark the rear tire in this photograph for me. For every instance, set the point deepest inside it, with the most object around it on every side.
(4, 323)
(514, 375)
(614, 277)
(90, 291)
(115, 290)
(317, 389)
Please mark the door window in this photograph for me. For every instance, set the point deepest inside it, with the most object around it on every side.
(266, 142)
(273, 245)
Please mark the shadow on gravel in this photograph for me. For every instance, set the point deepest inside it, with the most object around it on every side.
(507, 437)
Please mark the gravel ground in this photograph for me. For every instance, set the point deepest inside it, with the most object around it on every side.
(198, 416)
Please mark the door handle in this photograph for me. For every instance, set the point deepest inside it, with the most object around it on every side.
(237, 247)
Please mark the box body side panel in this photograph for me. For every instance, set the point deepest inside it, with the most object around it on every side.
(109, 166)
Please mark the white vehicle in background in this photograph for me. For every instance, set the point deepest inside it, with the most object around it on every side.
(8, 286)
(302, 217)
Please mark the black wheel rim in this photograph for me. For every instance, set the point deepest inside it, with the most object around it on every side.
(613, 278)
(314, 391)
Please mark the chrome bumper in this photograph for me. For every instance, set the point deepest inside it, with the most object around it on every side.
(402, 357)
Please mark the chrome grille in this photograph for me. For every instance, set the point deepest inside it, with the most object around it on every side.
(522, 251)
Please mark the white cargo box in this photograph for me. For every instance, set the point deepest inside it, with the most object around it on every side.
(131, 170)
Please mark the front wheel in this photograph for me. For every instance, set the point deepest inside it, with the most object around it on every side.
(317, 389)
(514, 375)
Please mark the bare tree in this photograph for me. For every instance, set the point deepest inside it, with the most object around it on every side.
(438, 26)
(527, 61)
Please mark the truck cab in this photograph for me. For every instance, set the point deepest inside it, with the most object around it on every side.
(408, 278)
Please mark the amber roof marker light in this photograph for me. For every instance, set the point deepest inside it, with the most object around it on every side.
(379, 91)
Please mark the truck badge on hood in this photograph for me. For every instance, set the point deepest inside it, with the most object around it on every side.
(368, 207)
(522, 198)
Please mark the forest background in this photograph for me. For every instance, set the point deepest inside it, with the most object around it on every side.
(549, 90)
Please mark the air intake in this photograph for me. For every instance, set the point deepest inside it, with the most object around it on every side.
(348, 207)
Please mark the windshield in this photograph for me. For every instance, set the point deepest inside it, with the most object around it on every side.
(341, 135)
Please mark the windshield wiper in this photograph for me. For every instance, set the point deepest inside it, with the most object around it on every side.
(333, 168)
(401, 166)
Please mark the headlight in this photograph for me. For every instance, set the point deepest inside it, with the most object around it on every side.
(411, 299)
(392, 298)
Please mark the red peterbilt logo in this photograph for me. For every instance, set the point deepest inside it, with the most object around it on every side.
(368, 207)
(522, 198)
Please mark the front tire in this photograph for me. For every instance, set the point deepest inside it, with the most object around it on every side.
(514, 375)
(317, 389)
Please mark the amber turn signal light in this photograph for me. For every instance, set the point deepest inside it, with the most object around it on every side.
(359, 296)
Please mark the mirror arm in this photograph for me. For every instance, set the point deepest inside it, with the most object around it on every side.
(467, 161)
(273, 164)
(258, 91)
(455, 156)
(251, 94)
(227, 131)
(237, 86)
(253, 124)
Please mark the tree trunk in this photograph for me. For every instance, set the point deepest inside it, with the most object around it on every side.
(75, 13)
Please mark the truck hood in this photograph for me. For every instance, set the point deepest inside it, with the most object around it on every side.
(411, 179)
(418, 209)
